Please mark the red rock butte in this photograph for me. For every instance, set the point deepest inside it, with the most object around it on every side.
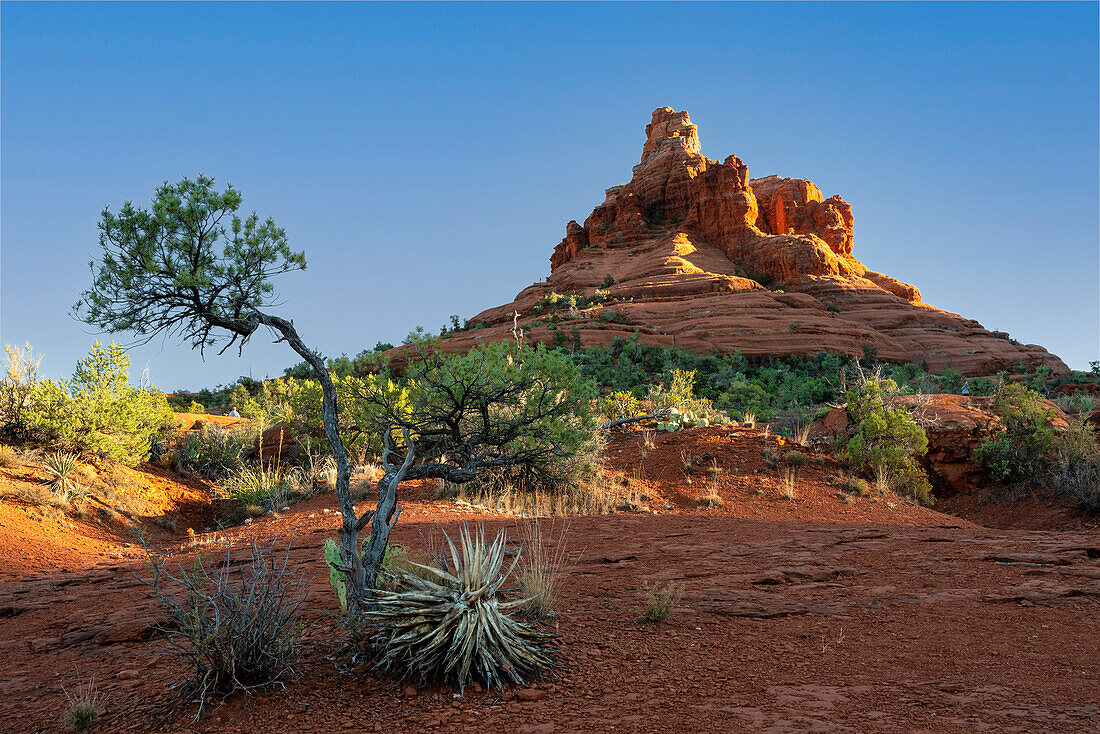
(702, 257)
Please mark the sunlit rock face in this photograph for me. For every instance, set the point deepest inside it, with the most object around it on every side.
(696, 254)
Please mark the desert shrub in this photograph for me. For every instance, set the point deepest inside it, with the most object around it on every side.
(98, 412)
(20, 377)
(564, 485)
(618, 405)
(1021, 451)
(454, 629)
(888, 438)
(234, 626)
(796, 458)
(7, 455)
(215, 453)
(660, 601)
(262, 484)
(855, 485)
(1077, 462)
(84, 706)
(1079, 402)
(196, 407)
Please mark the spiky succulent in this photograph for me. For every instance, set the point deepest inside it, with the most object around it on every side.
(451, 627)
(60, 465)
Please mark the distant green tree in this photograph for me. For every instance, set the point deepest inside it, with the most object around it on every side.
(97, 411)
(888, 438)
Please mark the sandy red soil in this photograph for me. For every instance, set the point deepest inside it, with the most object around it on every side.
(798, 615)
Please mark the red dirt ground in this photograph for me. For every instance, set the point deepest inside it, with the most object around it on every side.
(798, 615)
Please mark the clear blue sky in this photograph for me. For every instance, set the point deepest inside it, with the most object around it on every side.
(427, 157)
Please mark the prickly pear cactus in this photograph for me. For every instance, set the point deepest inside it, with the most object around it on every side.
(335, 575)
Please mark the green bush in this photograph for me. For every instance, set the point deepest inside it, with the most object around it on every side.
(98, 412)
(888, 438)
(1020, 451)
(215, 453)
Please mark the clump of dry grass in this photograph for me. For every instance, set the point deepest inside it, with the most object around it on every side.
(660, 601)
(7, 456)
(544, 561)
(687, 461)
(84, 706)
(713, 470)
(648, 442)
(711, 498)
(749, 420)
(790, 477)
(801, 434)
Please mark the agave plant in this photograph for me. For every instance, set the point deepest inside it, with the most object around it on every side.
(451, 627)
(61, 465)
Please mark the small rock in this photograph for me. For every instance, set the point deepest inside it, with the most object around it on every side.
(530, 694)
(410, 691)
(128, 674)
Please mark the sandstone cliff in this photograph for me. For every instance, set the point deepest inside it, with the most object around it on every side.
(703, 257)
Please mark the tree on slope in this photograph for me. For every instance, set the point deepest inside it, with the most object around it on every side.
(192, 268)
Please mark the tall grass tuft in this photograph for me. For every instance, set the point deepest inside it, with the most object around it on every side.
(545, 560)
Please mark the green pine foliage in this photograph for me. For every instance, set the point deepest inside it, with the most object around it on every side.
(97, 412)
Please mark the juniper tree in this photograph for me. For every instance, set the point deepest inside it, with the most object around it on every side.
(192, 268)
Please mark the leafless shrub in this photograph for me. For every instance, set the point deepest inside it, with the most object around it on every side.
(235, 631)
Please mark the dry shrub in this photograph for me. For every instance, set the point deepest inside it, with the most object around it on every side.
(796, 458)
(545, 560)
(235, 630)
(854, 485)
(660, 601)
(7, 456)
(35, 495)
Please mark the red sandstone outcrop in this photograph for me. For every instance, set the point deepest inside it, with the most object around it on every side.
(703, 258)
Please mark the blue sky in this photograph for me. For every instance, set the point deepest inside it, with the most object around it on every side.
(427, 157)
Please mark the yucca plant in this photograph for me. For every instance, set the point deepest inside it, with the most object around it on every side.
(61, 465)
(451, 627)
